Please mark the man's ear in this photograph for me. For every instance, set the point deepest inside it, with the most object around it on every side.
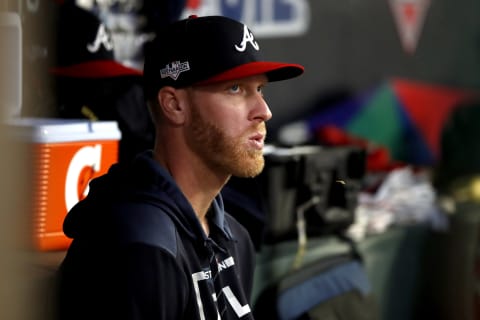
(170, 102)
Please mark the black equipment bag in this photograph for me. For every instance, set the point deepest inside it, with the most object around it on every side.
(267, 204)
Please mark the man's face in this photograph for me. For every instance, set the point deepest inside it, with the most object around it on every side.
(227, 125)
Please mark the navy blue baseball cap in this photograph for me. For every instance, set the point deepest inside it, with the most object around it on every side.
(206, 50)
(84, 46)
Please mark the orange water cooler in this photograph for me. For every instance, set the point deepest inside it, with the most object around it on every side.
(66, 155)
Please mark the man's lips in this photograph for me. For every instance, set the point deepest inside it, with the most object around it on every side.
(257, 140)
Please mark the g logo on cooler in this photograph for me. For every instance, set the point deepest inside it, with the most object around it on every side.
(83, 166)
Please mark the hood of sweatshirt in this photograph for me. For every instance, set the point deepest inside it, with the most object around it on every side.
(142, 181)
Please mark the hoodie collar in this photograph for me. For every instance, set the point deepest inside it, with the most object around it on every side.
(184, 214)
(217, 217)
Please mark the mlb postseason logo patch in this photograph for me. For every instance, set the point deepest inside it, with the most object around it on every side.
(174, 69)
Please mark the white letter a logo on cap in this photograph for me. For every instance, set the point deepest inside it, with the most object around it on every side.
(247, 38)
(102, 37)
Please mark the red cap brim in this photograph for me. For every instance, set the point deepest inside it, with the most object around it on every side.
(275, 71)
(96, 69)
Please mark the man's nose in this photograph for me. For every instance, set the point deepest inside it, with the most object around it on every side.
(261, 110)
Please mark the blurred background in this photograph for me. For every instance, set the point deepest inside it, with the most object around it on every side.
(389, 100)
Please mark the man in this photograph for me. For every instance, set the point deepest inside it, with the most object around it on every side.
(151, 240)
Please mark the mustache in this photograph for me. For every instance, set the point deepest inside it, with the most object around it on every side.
(258, 128)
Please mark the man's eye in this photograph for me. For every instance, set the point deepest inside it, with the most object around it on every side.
(235, 88)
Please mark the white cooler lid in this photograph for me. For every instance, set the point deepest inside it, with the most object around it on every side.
(50, 130)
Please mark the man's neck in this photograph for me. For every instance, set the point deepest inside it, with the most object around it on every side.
(196, 181)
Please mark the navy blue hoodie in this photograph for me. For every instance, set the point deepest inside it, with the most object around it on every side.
(139, 252)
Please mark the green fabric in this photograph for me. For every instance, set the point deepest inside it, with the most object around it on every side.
(381, 114)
